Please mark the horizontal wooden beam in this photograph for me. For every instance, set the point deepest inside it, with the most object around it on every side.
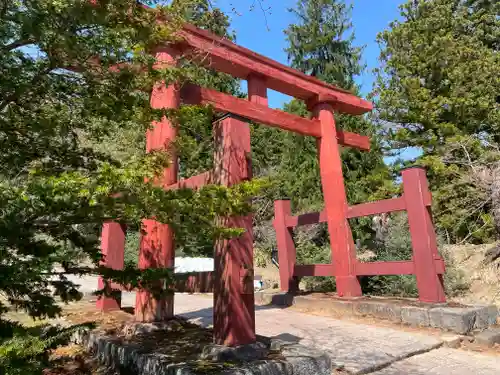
(358, 210)
(306, 219)
(192, 94)
(194, 282)
(190, 282)
(375, 208)
(194, 182)
(366, 268)
(225, 56)
(393, 268)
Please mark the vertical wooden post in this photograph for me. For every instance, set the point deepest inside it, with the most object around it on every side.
(286, 246)
(113, 250)
(157, 243)
(332, 180)
(234, 310)
(418, 200)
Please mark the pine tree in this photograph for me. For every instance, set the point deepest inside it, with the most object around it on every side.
(321, 43)
(438, 91)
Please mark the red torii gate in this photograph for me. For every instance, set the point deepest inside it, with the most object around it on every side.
(232, 281)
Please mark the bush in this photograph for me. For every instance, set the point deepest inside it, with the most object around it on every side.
(132, 242)
(26, 350)
(396, 245)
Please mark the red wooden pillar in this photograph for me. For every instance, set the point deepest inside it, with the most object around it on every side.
(157, 243)
(234, 309)
(286, 246)
(332, 180)
(418, 200)
(113, 251)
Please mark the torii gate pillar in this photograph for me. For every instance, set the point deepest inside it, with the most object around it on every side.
(332, 180)
(157, 248)
(234, 309)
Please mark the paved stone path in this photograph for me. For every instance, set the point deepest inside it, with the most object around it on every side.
(445, 361)
(358, 348)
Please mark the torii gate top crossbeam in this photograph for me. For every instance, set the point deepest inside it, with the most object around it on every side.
(225, 56)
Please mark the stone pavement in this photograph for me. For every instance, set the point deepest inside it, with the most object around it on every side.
(445, 361)
(358, 348)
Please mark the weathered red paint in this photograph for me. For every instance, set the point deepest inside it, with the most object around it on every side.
(261, 113)
(194, 182)
(197, 282)
(332, 180)
(375, 208)
(426, 263)
(157, 248)
(234, 311)
(286, 246)
(423, 238)
(225, 56)
(358, 210)
(113, 251)
(393, 268)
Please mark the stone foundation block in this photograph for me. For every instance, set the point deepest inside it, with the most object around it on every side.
(378, 309)
(415, 316)
(459, 320)
(486, 316)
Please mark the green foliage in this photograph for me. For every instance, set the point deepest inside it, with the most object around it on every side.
(67, 163)
(321, 43)
(24, 350)
(195, 139)
(437, 90)
(395, 245)
(132, 241)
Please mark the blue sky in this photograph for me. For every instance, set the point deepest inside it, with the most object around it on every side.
(369, 17)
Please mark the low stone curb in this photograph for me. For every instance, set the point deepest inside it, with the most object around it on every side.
(462, 320)
(110, 351)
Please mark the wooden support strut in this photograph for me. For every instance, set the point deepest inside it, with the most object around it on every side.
(113, 251)
(332, 180)
(286, 246)
(425, 253)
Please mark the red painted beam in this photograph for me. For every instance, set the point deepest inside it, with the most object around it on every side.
(223, 55)
(194, 182)
(314, 270)
(191, 282)
(364, 209)
(306, 219)
(198, 282)
(423, 237)
(378, 207)
(254, 111)
(287, 252)
(393, 268)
